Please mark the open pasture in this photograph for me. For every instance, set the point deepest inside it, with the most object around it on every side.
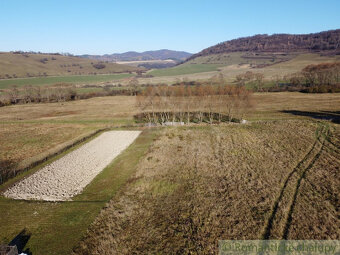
(185, 68)
(32, 130)
(232, 64)
(200, 189)
(25, 65)
(221, 183)
(75, 79)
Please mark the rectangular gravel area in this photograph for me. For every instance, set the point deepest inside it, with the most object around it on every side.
(68, 176)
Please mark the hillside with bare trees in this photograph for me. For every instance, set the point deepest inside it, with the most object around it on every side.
(327, 41)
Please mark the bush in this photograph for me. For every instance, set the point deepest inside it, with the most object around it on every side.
(99, 66)
(43, 60)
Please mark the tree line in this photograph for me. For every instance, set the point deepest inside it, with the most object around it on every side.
(318, 78)
(314, 78)
(184, 104)
(57, 93)
(36, 94)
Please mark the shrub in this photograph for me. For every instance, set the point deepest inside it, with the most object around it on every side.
(99, 66)
(43, 60)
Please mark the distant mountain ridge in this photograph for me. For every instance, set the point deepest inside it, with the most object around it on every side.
(139, 56)
(287, 43)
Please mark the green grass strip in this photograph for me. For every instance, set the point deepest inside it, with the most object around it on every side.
(58, 227)
(72, 79)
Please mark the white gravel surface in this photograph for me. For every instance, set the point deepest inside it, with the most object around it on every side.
(68, 176)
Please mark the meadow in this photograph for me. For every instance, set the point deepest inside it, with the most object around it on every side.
(185, 68)
(289, 139)
(233, 64)
(222, 183)
(201, 68)
(75, 79)
(26, 65)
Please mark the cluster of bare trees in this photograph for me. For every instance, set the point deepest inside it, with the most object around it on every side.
(256, 78)
(209, 103)
(317, 75)
(317, 78)
(322, 74)
(35, 94)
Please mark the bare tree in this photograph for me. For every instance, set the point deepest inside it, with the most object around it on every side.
(14, 94)
(259, 81)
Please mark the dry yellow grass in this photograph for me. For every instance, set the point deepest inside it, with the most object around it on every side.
(28, 130)
(20, 65)
(200, 185)
(22, 143)
(296, 64)
(230, 67)
(196, 184)
(317, 199)
(31, 132)
(93, 109)
(272, 105)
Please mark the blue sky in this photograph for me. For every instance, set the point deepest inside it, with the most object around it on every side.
(99, 26)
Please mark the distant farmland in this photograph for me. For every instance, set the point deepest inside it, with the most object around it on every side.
(26, 65)
(185, 69)
(38, 81)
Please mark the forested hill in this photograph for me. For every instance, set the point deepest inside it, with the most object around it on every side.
(323, 41)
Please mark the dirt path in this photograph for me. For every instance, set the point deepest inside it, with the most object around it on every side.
(68, 176)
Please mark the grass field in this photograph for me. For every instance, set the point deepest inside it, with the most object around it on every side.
(293, 65)
(240, 58)
(226, 160)
(34, 65)
(28, 130)
(222, 183)
(230, 65)
(31, 132)
(296, 64)
(185, 69)
(76, 79)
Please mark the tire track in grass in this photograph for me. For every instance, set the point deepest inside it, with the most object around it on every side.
(279, 206)
(303, 175)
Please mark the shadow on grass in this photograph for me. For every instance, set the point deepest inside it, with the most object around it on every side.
(21, 240)
(333, 116)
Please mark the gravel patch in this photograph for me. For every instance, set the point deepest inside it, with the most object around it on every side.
(68, 176)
